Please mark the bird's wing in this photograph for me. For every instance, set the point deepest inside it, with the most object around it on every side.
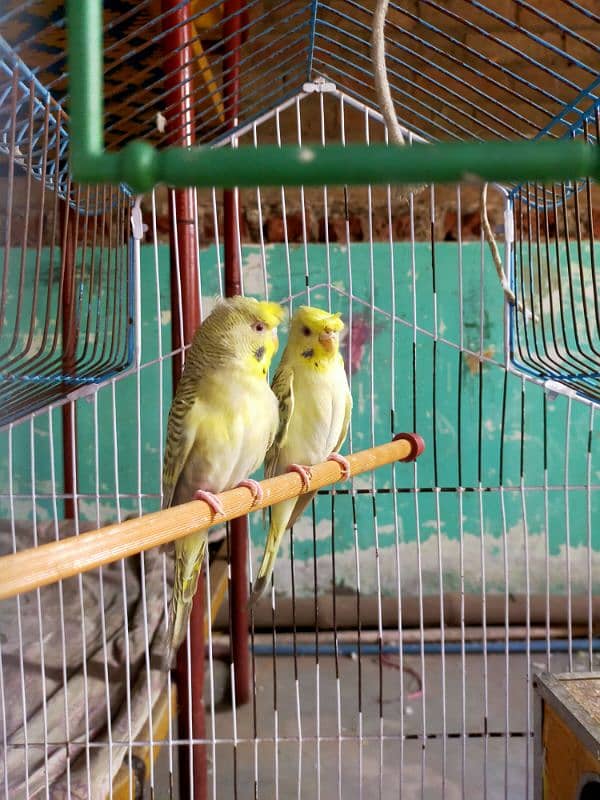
(283, 388)
(347, 415)
(304, 499)
(180, 439)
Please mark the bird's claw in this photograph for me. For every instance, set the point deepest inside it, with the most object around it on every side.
(343, 462)
(304, 472)
(211, 500)
(255, 488)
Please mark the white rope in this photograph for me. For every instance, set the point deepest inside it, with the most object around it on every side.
(491, 240)
(386, 106)
(509, 295)
(382, 86)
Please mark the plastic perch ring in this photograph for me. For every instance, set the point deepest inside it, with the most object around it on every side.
(417, 445)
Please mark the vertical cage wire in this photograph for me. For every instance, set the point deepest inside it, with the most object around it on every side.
(340, 707)
(100, 622)
(408, 610)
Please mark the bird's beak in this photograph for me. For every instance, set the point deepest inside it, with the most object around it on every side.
(328, 339)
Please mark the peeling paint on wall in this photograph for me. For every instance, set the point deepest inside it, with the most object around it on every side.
(455, 402)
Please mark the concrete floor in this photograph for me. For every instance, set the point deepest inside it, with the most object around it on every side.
(372, 761)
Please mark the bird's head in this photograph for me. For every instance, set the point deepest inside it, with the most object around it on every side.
(314, 334)
(245, 330)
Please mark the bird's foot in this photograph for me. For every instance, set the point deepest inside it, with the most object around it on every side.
(343, 462)
(304, 472)
(210, 499)
(255, 488)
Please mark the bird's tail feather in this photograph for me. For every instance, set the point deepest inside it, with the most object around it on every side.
(178, 623)
(264, 574)
(259, 589)
(269, 557)
(190, 556)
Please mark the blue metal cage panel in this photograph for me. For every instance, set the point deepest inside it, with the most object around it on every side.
(66, 281)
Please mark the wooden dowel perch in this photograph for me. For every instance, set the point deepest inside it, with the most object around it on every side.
(39, 566)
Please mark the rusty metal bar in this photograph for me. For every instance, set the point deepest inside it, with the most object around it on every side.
(185, 319)
(238, 586)
(69, 343)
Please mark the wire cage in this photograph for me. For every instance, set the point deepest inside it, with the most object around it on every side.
(411, 606)
(67, 297)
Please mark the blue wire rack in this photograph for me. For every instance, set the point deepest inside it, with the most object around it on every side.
(23, 96)
(66, 320)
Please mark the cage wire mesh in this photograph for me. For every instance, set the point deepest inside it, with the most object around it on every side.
(555, 334)
(410, 607)
(66, 311)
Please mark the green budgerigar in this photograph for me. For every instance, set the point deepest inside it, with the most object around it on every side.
(223, 419)
(315, 405)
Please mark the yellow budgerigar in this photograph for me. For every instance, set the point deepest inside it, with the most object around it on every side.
(223, 419)
(315, 405)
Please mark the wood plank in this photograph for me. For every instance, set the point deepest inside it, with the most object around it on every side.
(565, 760)
(122, 788)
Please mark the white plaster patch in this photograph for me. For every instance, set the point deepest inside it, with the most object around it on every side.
(360, 482)
(209, 301)
(106, 511)
(521, 572)
(444, 426)
(254, 273)
(518, 436)
(19, 509)
(303, 530)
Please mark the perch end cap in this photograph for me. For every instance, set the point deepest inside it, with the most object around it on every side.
(416, 442)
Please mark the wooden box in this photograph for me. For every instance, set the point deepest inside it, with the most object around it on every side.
(567, 736)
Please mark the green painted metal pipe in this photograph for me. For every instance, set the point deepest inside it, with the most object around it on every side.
(86, 84)
(142, 167)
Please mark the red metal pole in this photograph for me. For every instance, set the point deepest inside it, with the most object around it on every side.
(69, 335)
(185, 299)
(238, 587)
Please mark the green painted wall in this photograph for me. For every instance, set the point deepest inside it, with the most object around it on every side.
(424, 384)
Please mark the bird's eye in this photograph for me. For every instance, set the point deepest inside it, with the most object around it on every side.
(259, 327)
(306, 331)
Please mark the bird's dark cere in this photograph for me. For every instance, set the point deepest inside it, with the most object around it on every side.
(258, 354)
(308, 353)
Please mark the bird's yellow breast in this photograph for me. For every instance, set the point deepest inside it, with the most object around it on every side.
(319, 411)
(232, 421)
